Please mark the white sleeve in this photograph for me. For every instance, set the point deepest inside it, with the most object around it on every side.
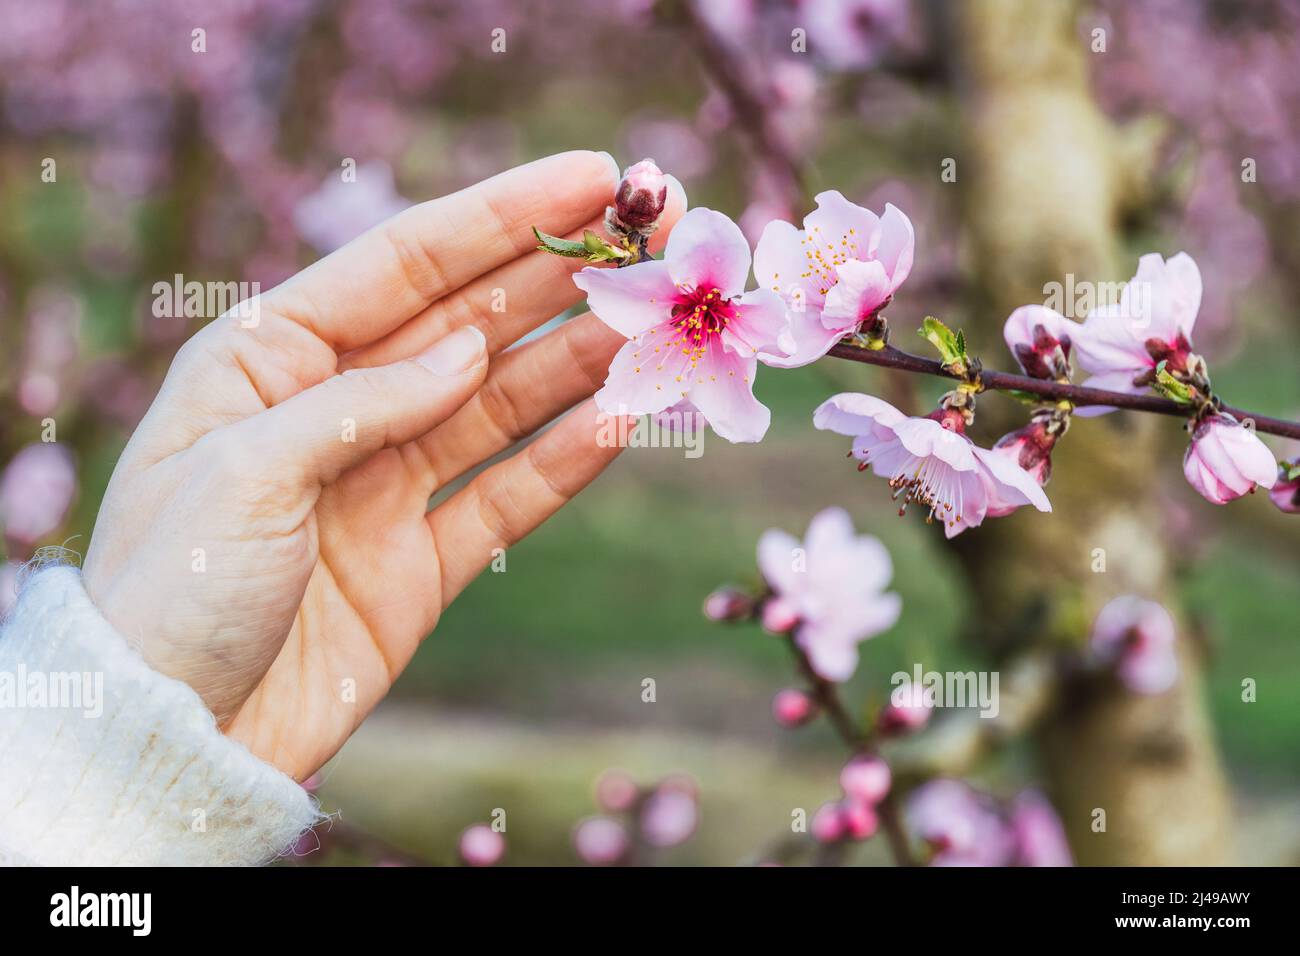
(104, 761)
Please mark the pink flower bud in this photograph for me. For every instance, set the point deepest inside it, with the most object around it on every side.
(793, 708)
(480, 845)
(728, 604)
(1227, 460)
(669, 817)
(908, 710)
(641, 196)
(1286, 490)
(828, 823)
(600, 841)
(1030, 447)
(779, 616)
(616, 791)
(860, 820)
(865, 779)
(1040, 339)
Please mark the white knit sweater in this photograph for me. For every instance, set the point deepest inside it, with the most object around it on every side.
(104, 761)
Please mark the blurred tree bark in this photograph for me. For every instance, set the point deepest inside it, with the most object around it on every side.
(1044, 179)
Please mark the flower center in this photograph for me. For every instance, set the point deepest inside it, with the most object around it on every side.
(698, 318)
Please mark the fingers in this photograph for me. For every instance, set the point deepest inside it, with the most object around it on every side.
(326, 429)
(525, 388)
(508, 302)
(379, 280)
(508, 500)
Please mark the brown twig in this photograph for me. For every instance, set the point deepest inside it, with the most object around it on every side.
(890, 357)
(859, 742)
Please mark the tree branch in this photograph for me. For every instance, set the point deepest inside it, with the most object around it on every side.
(890, 357)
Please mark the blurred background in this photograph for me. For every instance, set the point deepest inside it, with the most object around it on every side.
(1075, 151)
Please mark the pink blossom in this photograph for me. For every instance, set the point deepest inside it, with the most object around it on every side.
(962, 827)
(1040, 338)
(837, 272)
(36, 491)
(1136, 637)
(790, 707)
(1226, 460)
(908, 709)
(1286, 490)
(852, 34)
(1040, 838)
(835, 580)
(930, 461)
(1030, 448)
(1122, 343)
(865, 778)
(695, 334)
(616, 791)
(480, 845)
(600, 841)
(669, 816)
(340, 211)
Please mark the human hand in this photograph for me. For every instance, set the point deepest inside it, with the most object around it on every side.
(288, 574)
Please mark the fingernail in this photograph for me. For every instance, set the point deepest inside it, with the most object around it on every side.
(456, 353)
(618, 174)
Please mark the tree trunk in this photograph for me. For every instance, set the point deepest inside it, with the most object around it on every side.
(1043, 176)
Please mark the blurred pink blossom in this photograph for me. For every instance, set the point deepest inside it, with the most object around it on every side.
(616, 791)
(669, 816)
(834, 580)
(340, 211)
(1136, 637)
(1040, 837)
(36, 491)
(480, 845)
(600, 841)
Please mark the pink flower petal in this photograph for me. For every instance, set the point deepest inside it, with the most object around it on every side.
(706, 249)
(861, 288)
(631, 300)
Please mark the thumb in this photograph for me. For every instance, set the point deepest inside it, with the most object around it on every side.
(346, 419)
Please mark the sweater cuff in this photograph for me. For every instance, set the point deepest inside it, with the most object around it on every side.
(104, 761)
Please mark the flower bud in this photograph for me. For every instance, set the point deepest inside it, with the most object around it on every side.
(480, 845)
(865, 779)
(828, 823)
(793, 708)
(908, 710)
(1039, 338)
(616, 791)
(1285, 493)
(860, 820)
(641, 196)
(728, 604)
(1226, 460)
(600, 841)
(779, 616)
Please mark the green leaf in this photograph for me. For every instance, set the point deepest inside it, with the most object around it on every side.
(560, 247)
(1293, 471)
(1170, 387)
(952, 347)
